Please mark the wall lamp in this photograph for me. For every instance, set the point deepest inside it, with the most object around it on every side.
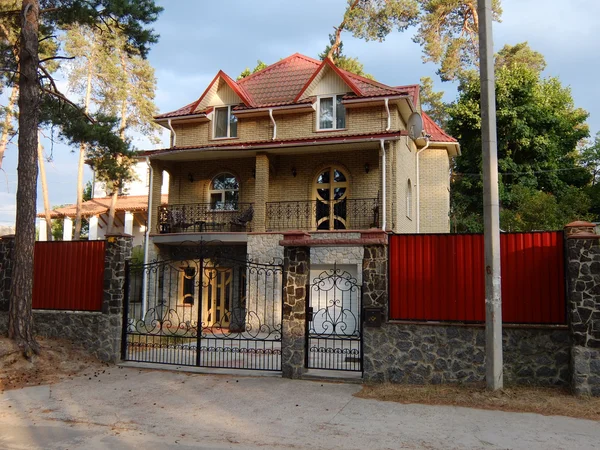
(294, 172)
(191, 177)
(367, 167)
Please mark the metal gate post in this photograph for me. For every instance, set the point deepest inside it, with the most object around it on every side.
(200, 307)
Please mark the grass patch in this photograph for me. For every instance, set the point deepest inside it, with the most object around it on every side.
(526, 399)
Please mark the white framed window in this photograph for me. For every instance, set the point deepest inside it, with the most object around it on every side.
(331, 113)
(225, 123)
(409, 196)
(224, 192)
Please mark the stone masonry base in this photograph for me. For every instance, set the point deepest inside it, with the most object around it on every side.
(96, 332)
(421, 354)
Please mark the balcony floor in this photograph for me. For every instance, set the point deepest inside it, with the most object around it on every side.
(178, 238)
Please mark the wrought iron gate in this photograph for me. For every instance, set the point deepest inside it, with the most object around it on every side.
(204, 310)
(334, 325)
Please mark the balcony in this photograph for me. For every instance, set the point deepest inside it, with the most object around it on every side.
(313, 215)
(205, 218)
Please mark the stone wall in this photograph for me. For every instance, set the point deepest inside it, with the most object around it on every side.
(265, 248)
(583, 284)
(6, 245)
(297, 269)
(417, 354)
(98, 332)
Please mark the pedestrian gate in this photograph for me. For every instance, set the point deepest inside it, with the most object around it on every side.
(333, 325)
(204, 310)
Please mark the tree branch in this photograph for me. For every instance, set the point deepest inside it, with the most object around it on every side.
(50, 58)
(66, 100)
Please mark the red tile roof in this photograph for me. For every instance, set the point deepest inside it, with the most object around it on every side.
(282, 83)
(101, 205)
(434, 130)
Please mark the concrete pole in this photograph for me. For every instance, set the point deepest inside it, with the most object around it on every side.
(128, 223)
(67, 229)
(491, 204)
(43, 230)
(93, 228)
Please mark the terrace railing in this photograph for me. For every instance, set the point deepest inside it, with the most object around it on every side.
(205, 218)
(311, 215)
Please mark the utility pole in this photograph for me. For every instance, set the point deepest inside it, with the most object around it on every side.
(491, 204)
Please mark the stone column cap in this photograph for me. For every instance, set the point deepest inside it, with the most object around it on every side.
(583, 235)
(580, 223)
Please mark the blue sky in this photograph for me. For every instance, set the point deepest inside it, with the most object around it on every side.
(198, 38)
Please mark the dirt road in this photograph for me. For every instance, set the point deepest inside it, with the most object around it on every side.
(126, 408)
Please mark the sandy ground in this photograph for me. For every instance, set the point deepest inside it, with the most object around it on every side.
(59, 359)
(126, 408)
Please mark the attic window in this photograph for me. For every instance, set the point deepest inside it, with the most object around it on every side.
(225, 123)
(331, 113)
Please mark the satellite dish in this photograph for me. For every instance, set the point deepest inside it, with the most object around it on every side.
(415, 126)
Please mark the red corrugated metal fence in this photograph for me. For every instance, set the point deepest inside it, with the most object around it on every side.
(68, 275)
(440, 277)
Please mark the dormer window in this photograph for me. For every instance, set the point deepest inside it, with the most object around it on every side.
(331, 113)
(225, 123)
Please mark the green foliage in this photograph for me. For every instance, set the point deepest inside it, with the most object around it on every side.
(520, 54)
(432, 103)
(343, 61)
(538, 130)
(246, 72)
(534, 210)
(447, 29)
(375, 19)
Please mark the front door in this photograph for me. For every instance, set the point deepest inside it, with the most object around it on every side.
(217, 296)
(331, 192)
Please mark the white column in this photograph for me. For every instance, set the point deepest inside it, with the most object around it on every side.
(43, 230)
(93, 228)
(128, 224)
(67, 229)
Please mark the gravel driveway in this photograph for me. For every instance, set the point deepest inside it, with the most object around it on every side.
(126, 408)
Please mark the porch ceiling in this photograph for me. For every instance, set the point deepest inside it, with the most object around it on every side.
(212, 154)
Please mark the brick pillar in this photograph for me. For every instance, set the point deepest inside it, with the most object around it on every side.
(118, 249)
(261, 192)
(157, 181)
(293, 344)
(7, 244)
(583, 305)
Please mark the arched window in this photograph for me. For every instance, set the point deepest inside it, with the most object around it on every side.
(409, 197)
(224, 192)
(331, 193)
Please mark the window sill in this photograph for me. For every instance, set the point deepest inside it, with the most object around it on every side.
(223, 138)
(330, 130)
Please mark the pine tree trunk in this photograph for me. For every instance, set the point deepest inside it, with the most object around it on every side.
(111, 211)
(7, 120)
(20, 321)
(118, 183)
(82, 148)
(47, 217)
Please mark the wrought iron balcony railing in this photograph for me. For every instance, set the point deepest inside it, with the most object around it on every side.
(204, 218)
(311, 215)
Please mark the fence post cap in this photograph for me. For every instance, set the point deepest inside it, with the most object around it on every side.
(580, 223)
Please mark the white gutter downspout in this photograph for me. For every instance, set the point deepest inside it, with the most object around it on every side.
(383, 188)
(418, 209)
(389, 118)
(173, 134)
(274, 124)
(147, 241)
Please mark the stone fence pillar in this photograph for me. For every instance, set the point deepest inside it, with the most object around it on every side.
(583, 305)
(293, 339)
(7, 244)
(118, 249)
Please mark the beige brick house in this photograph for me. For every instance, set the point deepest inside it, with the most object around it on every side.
(299, 145)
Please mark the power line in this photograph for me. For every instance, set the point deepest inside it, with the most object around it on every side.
(519, 173)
